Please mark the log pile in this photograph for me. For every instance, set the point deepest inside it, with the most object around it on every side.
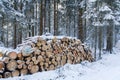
(43, 55)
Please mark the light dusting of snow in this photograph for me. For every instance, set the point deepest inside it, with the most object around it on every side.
(109, 17)
(92, 0)
(105, 8)
(97, 23)
(19, 14)
(116, 22)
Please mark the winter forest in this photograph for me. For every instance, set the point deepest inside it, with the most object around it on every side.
(94, 28)
(94, 22)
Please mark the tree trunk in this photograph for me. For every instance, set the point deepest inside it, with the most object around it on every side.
(109, 37)
(41, 18)
(55, 18)
(80, 26)
(95, 43)
(100, 41)
(49, 14)
(15, 33)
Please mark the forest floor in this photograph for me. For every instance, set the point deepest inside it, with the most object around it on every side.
(108, 68)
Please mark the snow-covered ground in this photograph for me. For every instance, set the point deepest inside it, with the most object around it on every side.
(108, 68)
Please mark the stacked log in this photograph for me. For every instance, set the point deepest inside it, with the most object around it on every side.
(43, 55)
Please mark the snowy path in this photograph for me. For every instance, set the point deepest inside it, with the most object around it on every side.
(106, 69)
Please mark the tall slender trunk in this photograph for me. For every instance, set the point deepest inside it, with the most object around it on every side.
(44, 15)
(49, 15)
(100, 41)
(2, 31)
(80, 26)
(95, 43)
(109, 37)
(41, 18)
(15, 35)
(55, 18)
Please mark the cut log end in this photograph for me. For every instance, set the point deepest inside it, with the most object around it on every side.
(12, 65)
(7, 74)
(23, 71)
(15, 73)
(34, 69)
(12, 55)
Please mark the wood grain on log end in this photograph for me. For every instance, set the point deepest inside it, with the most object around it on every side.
(12, 55)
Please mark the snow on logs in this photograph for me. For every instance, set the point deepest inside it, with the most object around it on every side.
(43, 55)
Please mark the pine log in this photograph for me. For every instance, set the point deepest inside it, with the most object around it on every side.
(49, 54)
(37, 52)
(53, 61)
(27, 62)
(28, 58)
(34, 58)
(12, 65)
(1, 66)
(7, 75)
(58, 58)
(63, 62)
(6, 59)
(45, 47)
(69, 61)
(65, 39)
(47, 60)
(19, 55)
(1, 54)
(43, 42)
(43, 53)
(31, 62)
(12, 55)
(52, 67)
(46, 65)
(34, 69)
(41, 63)
(24, 66)
(20, 62)
(1, 76)
(15, 73)
(36, 62)
(40, 58)
(23, 71)
(39, 44)
(29, 67)
(69, 58)
(19, 66)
